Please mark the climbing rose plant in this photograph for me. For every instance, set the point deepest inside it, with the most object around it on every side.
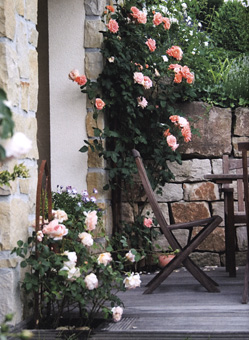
(143, 78)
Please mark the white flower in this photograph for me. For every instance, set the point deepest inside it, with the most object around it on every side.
(184, 6)
(132, 281)
(86, 239)
(104, 258)
(72, 257)
(191, 33)
(165, 58)
(199, 24)
(17, 146)
(111, 59)
(91, 281)
(206, 43)
(72, 273)
(130, 256)
(117, 313)
(39, 235)
(60, 215)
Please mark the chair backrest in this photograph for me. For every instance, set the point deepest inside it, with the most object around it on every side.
(230, 165)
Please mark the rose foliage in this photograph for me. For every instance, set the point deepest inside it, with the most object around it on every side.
(68, 269)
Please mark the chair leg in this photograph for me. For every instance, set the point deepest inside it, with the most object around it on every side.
(230, 235)
(246, 281)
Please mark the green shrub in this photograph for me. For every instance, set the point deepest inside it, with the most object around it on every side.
(230, 26)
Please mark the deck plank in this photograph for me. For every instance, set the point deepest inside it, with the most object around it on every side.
(180, 308)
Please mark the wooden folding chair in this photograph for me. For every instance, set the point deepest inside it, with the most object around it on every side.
(244, 147)
(208, 224)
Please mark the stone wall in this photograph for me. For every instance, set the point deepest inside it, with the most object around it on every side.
(189, 196)
(97, 176)
(19, 79)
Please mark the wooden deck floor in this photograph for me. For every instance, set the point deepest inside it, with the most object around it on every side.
(181, 309)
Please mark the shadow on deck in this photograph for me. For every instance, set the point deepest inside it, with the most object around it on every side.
(181, 309)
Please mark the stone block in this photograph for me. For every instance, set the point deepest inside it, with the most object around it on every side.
(217, 166)
(189, 211)
(98, 180)
(9, 73)
(10, 295)
(162, 243)
(190, 170)
(93, 37)
(207, 191)
(7, 19)
(13, 223)
(93, 64)
(25, 95)
(33, 36)
(127, 214)
(31, 10)
(24, 185)
(241, 234)
(94, 161)
(91, 123)
(212, 123)
(20, 7)
(28, 125)
(218, 209)
(95, 7)
(215, 242)
(22, 48)
(33, 88)
(235, 141)
(241, 127)
(147, 211)
(170, 192)
(206, 259)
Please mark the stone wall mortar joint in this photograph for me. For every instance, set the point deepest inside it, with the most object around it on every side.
(92, 50)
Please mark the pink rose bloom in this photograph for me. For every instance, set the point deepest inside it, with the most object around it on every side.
(55, 230)
(148, 222)
(147, 83)
(185, 71)
(151, 43)
(138, 78)
(171, 140)
(175, 52)
(135, 12)
(142, 102)
(190, 78)
(104, 258)
(186, 132)
(73, 74)
(142, 18)
(176, 67)
(182, 121)
(91, 281)
(86, 239)
(117, 313)
(178, 78)
(91, 220)
(158, 19)
(166, 23)
(112, 26)
(130, 257)
(174, 119)
(81, 80)
(99, 103)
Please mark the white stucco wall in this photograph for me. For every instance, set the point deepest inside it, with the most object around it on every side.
(67, 103)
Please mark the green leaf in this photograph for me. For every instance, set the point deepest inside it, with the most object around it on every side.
(83, 149)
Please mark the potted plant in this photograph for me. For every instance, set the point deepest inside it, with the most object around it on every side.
(165, 257)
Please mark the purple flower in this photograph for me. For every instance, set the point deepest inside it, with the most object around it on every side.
(85, 193)
(95, 191)
(74, 191)
(93, 199)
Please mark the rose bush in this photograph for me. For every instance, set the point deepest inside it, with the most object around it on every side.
(68, 269)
